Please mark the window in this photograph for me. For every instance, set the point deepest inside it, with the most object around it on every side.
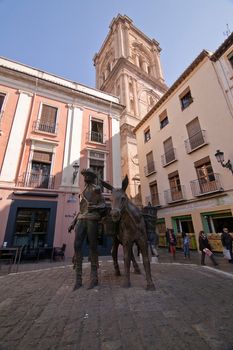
(140, 61)
(175, 186)
(2, 97)
(97, 164)
(150, 168)
(132, 105)
(163, 119)
(207, 181)
(96, 134)
(169, 155)
(47, 121)
(131, 88)
(40, 170)
(230, 58)
(196, 136)
(205, 175)
(186, 99)
(151, 101)
(154, 193)
(147, 136)
(184, 224)
(31, 227)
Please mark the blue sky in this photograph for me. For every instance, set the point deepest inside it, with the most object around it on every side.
(62, 36)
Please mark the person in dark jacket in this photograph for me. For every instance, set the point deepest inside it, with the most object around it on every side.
(205, 248)
(227, 239)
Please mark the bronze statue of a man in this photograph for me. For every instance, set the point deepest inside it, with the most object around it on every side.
(86, 225)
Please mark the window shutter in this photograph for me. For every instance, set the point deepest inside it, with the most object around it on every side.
(168, 145)
(201, 162)
(2, 97)
(193, 127)
(149, 158)
(48, 114)
(42, 157)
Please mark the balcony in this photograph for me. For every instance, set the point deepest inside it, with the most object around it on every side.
(50, 128)
(168, 157)
(94, 136)
(196, 141)
(36, 180)
(175, 194)
(149, 168)
(206, 185)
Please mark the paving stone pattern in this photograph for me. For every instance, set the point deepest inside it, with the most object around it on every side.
(191, 309)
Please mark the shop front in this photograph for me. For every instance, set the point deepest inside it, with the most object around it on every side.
(184, 224)
(213, 223)
(31, 223)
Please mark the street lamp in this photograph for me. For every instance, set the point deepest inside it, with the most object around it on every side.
(75, 172)
(220, 158)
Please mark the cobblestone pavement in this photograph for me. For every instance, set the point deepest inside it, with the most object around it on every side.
(190, 309)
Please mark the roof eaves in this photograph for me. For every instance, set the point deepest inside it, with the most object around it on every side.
(222, 48)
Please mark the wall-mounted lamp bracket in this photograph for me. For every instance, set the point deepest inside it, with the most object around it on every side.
(220, 158)
(75, 172)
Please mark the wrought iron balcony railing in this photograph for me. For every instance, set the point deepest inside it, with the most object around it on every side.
(36, 180)
(96, 137)
(175, 194)
(50, 128)
(195, 141)
(210, 183)
(149, 168)
(168, 157)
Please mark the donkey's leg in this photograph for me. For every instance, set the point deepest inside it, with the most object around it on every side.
(135, 264)
(146, 263)
(115, 246)
(127, 247)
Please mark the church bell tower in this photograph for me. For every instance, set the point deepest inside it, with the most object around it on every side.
(128, 66)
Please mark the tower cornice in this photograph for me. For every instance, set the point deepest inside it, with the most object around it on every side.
(123, 64)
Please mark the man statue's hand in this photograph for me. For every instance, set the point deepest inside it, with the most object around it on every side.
(70, 228)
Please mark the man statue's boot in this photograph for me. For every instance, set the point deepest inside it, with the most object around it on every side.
(78, 269)
(94, 275)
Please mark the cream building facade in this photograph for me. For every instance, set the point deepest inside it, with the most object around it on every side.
(128, 66)
(177, 142)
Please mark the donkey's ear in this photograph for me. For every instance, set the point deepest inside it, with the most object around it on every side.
(125, 183)
(107, 185)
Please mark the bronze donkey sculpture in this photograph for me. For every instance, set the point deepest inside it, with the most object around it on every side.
(131, 230)
(111, 229)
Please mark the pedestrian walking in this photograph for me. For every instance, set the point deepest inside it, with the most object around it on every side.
(205, 249)
(186, 245)
(226, 239)
(171, 242)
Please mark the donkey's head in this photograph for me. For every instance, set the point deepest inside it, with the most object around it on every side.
(119, 198)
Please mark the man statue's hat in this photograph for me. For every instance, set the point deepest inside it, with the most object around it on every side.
(89, 172)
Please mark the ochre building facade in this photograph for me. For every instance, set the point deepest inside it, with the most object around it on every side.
(178, 142)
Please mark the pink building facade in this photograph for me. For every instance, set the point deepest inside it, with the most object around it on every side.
(48, 125)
